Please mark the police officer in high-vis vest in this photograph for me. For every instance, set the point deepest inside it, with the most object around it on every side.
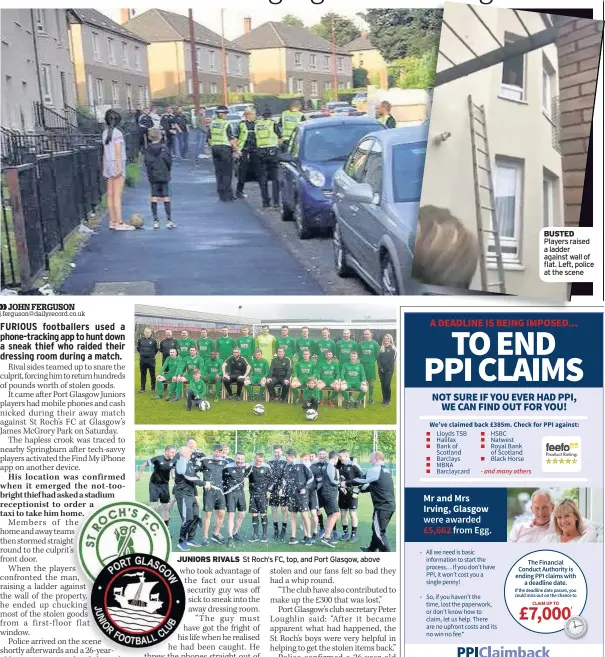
(385, 116)
(223, 142)
(289, 120)
(268, 138)
(246, 146)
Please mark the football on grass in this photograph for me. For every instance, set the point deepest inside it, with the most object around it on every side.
(311, 414)
(259, 409)
(204, 405)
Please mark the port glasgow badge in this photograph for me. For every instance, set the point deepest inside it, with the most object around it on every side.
(138, 600)
(120, 529)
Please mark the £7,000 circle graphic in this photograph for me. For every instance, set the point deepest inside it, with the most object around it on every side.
(544, 589)
(119, 529)
(138, 600)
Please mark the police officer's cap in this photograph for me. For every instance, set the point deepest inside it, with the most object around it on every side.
(267, 114)
(222, 109)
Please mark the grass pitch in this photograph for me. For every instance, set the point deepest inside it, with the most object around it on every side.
(364, 530)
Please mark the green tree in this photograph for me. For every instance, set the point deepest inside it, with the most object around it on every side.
(295, 21)
(345, 29)
(399, 33)
(360, 77)
(414, 72)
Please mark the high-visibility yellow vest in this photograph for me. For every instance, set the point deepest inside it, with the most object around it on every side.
(218, 132)
(265, 134)
(242, 138)
(384, 119)
(289, 121)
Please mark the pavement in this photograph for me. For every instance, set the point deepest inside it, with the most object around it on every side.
(217, 248)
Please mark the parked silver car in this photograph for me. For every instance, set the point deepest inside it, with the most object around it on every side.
(376, 201)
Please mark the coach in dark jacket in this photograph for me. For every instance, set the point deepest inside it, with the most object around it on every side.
(279, 374)
(167, 344)
(147, 346)
(235, 370)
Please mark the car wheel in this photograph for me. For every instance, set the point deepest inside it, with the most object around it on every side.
(304, 232)
(340, 253)
(388, 279)
(286, 212)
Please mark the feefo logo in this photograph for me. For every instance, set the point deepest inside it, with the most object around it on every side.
(488, 651)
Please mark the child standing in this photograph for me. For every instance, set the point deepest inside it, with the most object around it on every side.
(158, 162)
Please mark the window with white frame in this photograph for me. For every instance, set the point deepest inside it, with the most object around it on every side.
(146, 94)
(200, 86)
(314, 88)
(125, 59)
(47, 85)
(213, 88)
(129, 96)
(96, 50)
(212, 55)
(508, 198)
(40, 22)
(299, 86)
(327, 86)
(340, 63)
(141, 95)
(550, 208)
(189, 86)
(137, 58)
(240, 89)
(298, 59)
(238, 65)
(198, 57)
(111, 55)
(326, 61)
(115, 92)
(60, 20)
(91, 91)
(290, 85)
(98, 91)
(549, 87)
(313, 61)
(512, 86)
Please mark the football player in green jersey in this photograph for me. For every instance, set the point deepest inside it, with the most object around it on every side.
(188, 365)
(368, 355)
(345, 346)
(353, 379)
(323, 345)
(311, 395)
(168, 376)
(266, 343)
(259, 371)
(213, 373)
(184, 343)
(204, 344)
(246, 344)
(305, 342)
(197, 389)
(328, 374)
(303, 370)
(286, 342)
(225, 344)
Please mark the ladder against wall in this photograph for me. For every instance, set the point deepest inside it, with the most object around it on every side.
(488, 235)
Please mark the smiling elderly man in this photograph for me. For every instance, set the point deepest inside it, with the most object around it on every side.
(534, 530)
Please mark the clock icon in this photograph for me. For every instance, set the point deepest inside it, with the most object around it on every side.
(575, 627)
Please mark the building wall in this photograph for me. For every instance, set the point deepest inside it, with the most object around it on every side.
(371, 60)
(20, 88)
(268, 71)
(302, 71)
(166, 69)
(516, 129)
(131, 72)
(210, 69)
(579, 45)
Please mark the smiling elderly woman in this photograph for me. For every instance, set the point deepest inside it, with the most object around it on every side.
(569, 526)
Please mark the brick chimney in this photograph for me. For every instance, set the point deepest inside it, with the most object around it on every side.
(247, 24)
(126, 15)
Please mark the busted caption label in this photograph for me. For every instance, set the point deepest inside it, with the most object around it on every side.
(567, 255)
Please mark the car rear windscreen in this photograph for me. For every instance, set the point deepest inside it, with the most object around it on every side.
(408, 167)
(334, 142)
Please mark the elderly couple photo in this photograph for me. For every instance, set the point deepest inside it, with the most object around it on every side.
(552, 515)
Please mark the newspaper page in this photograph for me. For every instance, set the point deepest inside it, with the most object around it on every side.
(376, 365)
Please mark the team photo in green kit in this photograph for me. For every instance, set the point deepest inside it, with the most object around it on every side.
(276, 374)
(271, 491)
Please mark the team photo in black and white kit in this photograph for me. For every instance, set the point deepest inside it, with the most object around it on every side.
(278, 496)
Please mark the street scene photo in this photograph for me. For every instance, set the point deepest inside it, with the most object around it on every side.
(271, 491)
(275, 369)
(154, 152)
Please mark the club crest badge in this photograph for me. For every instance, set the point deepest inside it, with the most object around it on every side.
(138, 600)
(121, 529)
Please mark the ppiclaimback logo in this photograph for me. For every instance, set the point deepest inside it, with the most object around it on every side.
(120, 529)
(138, 600)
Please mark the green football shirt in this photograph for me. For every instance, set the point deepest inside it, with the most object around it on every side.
(368, 351)
(305, 343)
(247, 346)
(353, 374)
(344, 349)
(288, 343)
(225, 347)
(322, 346)
(327, 372)
(184, 346)
(205, 346)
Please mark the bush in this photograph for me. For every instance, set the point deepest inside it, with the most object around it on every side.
(133, 174)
